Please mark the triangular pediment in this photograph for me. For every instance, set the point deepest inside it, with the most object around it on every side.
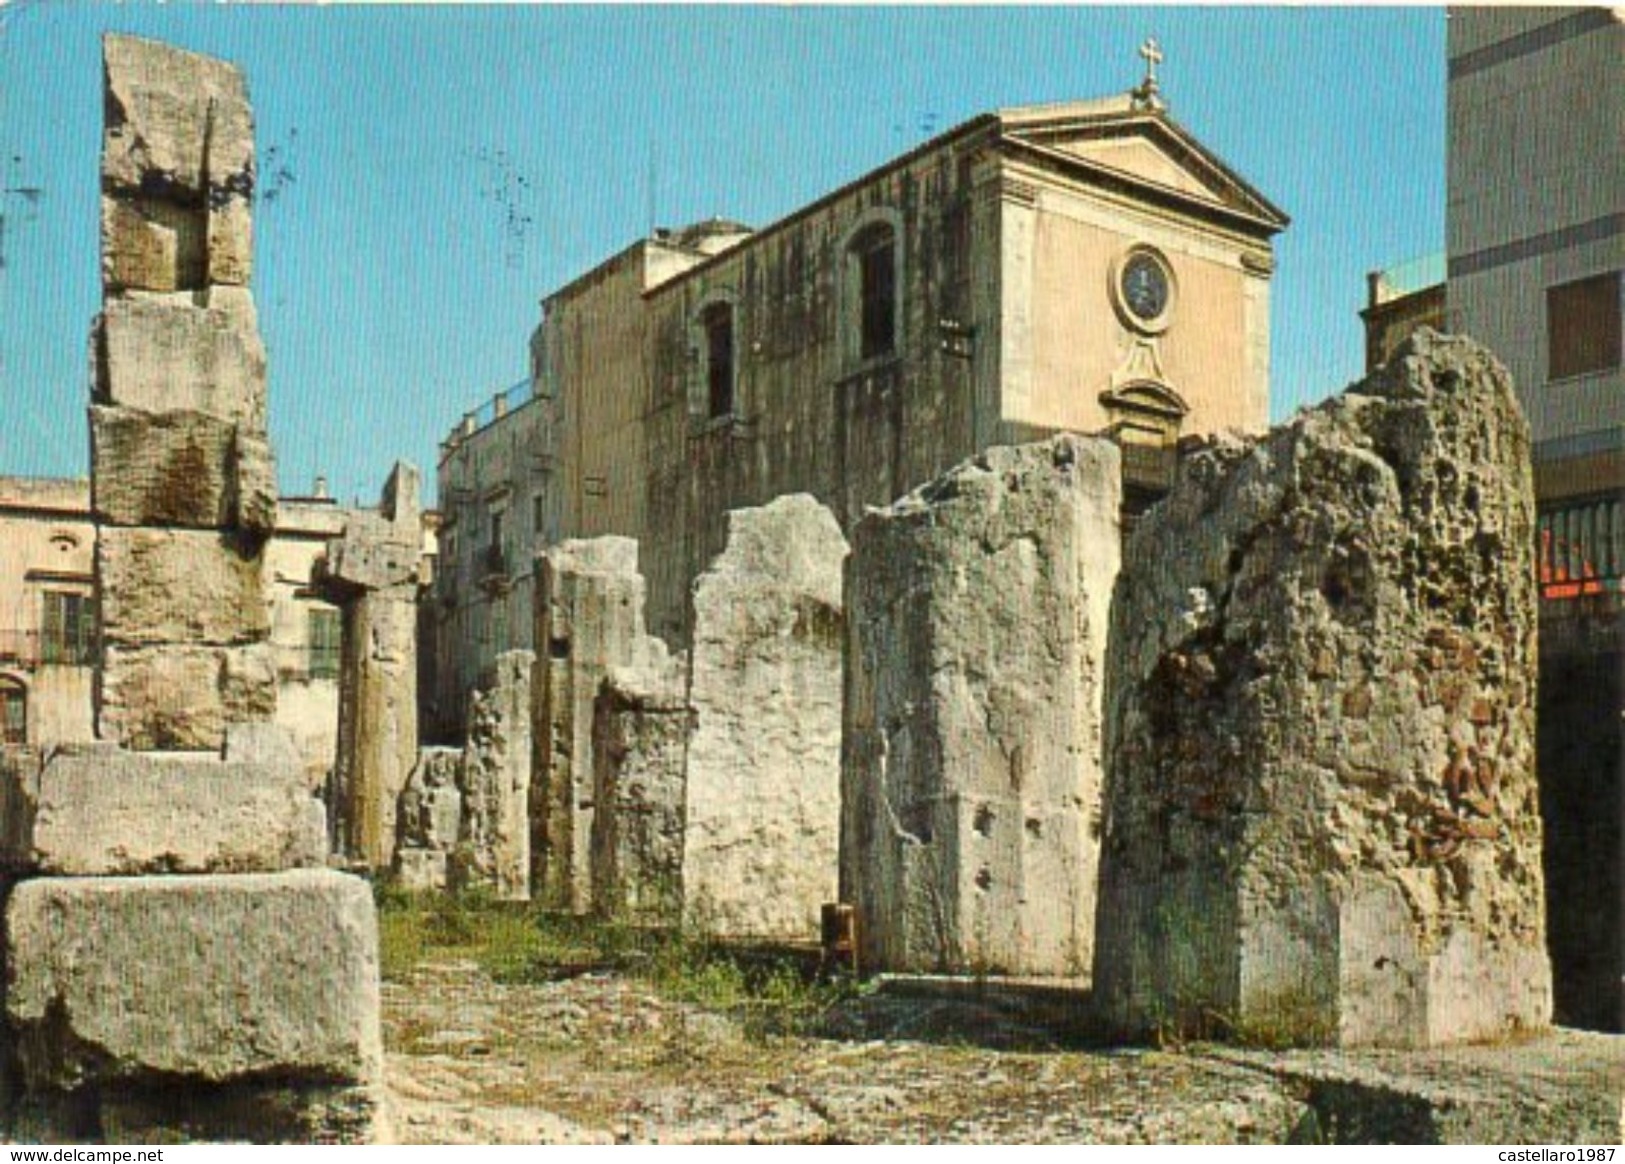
(1137, 146)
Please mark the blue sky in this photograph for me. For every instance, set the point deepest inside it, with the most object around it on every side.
(428, 173)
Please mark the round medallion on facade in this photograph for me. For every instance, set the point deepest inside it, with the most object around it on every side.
(1143, 289)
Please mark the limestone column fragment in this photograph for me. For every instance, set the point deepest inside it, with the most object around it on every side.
(183, 486)
(976, 612)
(763, 792)
(372, 572)
(1321, 817)
(589, 614)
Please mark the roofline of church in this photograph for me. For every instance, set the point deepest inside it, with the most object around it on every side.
(1119, 108)
(1001, 123)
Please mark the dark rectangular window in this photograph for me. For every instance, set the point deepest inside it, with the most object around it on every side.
(719, 359)
(1583, 326)
(877, 272)
(69, 629)
(325, 634)
(13, 712)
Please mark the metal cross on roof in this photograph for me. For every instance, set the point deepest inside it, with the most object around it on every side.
(1145, 95)
(1152, 52)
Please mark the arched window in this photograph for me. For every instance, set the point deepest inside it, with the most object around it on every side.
(871, 286)
(713, 334)
(717, 322)
(13, 711)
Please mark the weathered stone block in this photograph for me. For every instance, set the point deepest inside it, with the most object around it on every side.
(230, 239)
(97, 810)
(177, 123)
(181, 699)
(641, 729)
(208, 979)
(1322, 819)
(252, 501)
(169, 355)
(493, 847)
(179, 586)
(763, 799)
(153, 245)
(422, 870)
(976, 632)
(429, 819)
(167, 468)
(373, 554)
(589, 620)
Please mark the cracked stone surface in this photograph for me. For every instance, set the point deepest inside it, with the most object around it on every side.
(601, 1059)
(976, 633)
(763, 809)
(1322, 820)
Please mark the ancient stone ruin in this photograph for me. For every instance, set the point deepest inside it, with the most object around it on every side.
(589, 623)
(180, 963)
(464, 815)
(1321, 819)
(762, 821)
(977, 609)
(371, 573)
(183, 486)
(641, 728)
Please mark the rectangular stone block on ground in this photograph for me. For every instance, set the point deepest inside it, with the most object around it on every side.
(183, 587)
(160, 980)
(1322, 820)
(99, 810)
(976, 614)
(167, 355)
(163, 698)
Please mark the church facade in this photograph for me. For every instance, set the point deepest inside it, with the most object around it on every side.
(1087, 266)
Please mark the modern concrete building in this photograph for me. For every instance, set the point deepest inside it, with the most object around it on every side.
(1087, 266)
(1536, 247)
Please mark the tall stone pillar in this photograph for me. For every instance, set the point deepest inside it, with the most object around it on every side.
(976, 612)
(1321, 811)
(493, 847)
(181, 964)
(589, 621)
(763, 795)
(371, 573)
(183, 487)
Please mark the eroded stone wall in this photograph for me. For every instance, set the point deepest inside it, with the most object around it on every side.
(977, 609)
(1322, 820)
(763, 797)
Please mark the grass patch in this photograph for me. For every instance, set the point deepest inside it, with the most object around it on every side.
(772, 992)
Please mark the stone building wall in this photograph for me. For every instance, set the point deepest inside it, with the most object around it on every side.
(1321, 811)
(1004, 244)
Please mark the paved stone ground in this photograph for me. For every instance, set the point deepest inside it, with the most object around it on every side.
(601, 1058)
